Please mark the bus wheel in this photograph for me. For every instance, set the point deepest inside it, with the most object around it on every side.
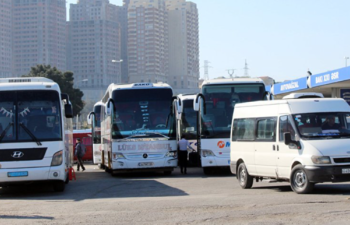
(59, 186)
(67, 179)
(167, 172)
(299, 181)
(208, 170)
(245, 180)
(101, 166)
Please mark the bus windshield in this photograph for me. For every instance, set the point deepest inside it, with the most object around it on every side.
(220, 101)
(189, 120)
(97, 124)
(323, 125)
(31, 115)
(143, 113)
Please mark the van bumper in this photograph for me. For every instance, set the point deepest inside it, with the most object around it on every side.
(319, 174)
(233, 166)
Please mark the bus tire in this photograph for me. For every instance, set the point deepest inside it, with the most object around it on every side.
(67, 179)
(59, 186)
(299, 181)
(244, 179)
(208, 170)
(167, 172)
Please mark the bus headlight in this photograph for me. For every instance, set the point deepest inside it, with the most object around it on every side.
(57, 158)
(321, 159)
(171, 154)
(118, 156)
(207, 153)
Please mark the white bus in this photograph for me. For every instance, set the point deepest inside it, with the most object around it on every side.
(220, 97)
(95, 118)
(187, 125)
(138, 130)
(35, 132)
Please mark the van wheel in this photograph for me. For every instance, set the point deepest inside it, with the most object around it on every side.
(67, 179)
(59, 186)
(299, 181)
(245, 180)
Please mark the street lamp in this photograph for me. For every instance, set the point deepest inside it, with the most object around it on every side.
(346, 60)
(117, 61)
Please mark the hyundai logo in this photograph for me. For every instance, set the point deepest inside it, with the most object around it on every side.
(145, 155)
(17, 154)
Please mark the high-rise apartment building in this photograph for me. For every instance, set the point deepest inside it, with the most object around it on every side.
(147, 41)
(39, 34)
(94, 52)
(123, 22)
(5, 38)
(183, 44)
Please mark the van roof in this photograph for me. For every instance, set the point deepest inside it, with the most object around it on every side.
(307, 105)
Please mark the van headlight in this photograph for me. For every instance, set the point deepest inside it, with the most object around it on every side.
(321, 159)
(207, 153)
(171, 154)
(57, 158)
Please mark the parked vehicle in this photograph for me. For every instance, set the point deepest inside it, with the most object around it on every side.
(302, 141)
(35, 132)
(86, 140)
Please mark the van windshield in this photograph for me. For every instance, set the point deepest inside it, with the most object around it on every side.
(335, 124)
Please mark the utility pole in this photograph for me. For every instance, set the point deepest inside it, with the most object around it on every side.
(231, 72)
(246, 69)
(206, 69)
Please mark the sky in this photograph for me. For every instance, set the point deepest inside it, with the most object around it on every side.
(280, 39)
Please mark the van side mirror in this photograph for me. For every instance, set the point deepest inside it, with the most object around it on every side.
(68, 110)
(287, 138)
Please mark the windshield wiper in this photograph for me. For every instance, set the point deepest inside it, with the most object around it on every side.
(2, 135)
(30, 134)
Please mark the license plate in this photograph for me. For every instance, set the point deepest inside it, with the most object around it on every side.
(345, 171)
(146, 164)
(17, 174)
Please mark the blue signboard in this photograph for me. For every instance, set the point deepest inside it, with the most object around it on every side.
(330, 77)
(290, 86)
(345, 94)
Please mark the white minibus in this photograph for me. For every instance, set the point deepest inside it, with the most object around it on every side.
(301, 141)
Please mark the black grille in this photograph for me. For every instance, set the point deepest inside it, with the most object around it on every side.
(341, 160)
(22, 154)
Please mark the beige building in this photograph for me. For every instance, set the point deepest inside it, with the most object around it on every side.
(147, 41)
(5, 39)
(39, 34)
(183, 44)
(94, 44)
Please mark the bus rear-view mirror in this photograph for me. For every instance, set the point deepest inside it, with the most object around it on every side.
(68, 110)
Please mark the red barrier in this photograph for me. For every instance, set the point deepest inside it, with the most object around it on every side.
(71, 174)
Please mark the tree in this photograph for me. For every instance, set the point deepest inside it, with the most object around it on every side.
(64, 80)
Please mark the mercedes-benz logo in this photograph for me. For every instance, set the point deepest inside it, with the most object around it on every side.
(145, 155)
(17, 154)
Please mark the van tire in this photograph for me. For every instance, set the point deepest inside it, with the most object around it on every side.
(208, 170)
(299, 181)
(244, 179)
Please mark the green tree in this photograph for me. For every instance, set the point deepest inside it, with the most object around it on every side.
(64, 80)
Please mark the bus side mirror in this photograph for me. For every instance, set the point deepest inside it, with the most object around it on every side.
(68, 110)
(179, 106)
(89, 118)
(108, 108)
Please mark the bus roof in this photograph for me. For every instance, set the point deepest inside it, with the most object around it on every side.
(232, 81)
(138, 86)
(25, 83)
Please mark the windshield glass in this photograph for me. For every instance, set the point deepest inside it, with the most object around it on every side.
(97, 125)
(317, 125)
(143, 113)
(220, 102)
(189, 120)
(38, 111)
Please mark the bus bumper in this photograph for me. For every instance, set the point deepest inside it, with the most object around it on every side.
(29, 175)
(160, 164)
(211, 161)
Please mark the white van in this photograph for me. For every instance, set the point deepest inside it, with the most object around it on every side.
(301, 141)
